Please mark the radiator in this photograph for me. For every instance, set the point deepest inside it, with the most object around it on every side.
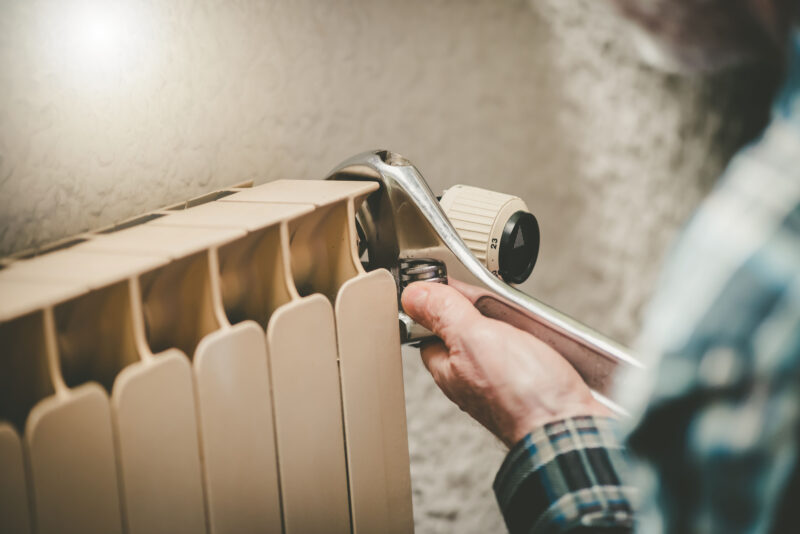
(224, 367)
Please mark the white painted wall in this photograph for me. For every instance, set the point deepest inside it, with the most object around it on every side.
(541, 98)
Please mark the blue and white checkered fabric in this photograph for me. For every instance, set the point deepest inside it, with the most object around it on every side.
(565, 475)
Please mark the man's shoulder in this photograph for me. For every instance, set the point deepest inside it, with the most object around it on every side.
(736, 263)
(743, 242)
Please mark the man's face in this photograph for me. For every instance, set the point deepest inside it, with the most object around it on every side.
(706, 35)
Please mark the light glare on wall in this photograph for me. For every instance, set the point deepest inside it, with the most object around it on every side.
(95, 40)
(97, 36)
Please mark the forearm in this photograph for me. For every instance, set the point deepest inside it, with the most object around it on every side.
(565, 477)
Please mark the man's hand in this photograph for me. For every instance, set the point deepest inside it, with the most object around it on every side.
(505, 378)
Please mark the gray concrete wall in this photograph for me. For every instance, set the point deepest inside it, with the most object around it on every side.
(543, 99)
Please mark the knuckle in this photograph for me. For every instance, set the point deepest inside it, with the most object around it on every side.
(483, 331)
(449, 316)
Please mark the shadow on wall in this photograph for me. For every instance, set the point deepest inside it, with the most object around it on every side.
(647, 147)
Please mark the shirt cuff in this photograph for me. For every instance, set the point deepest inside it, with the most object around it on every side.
(563, 476)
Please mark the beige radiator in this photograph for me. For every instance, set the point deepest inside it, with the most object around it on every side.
(226, 367)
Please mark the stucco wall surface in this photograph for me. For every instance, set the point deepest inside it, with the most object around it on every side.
(544, 99)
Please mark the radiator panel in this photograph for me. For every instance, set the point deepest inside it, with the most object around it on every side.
(159, 454)
(72, 460)
(374, 404)
(14, 511)
(235, 407)
(301, 341)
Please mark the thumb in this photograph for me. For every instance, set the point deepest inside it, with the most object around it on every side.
(441, 309)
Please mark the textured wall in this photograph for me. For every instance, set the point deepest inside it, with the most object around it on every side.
(543, 99)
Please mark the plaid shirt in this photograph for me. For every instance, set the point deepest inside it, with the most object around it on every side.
(715, 435)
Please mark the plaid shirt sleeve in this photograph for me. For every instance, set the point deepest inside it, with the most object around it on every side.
(564, 478)
(715, 437)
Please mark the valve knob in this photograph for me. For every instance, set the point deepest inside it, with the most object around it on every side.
(497, 228)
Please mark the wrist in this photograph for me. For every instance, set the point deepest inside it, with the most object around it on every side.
(537, 421)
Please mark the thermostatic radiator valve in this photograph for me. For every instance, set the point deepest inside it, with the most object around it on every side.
(498, 228)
